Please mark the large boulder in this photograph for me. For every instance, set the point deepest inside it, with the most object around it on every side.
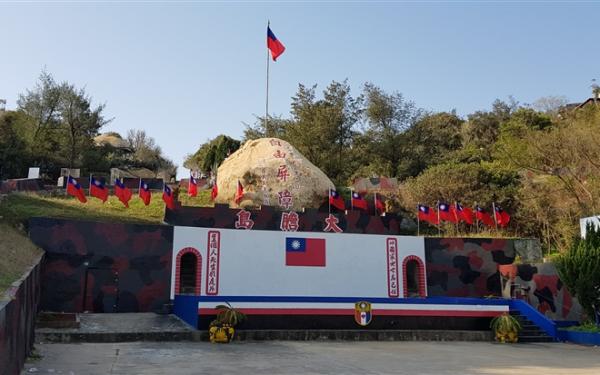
(272, 172)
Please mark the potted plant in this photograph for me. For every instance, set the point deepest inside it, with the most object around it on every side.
(506, 328)
(221, 329)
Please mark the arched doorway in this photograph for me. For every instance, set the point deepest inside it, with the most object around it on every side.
(414, 277)
(189, 266)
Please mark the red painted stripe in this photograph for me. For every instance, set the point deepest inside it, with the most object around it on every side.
(380, 312)
(258, 311)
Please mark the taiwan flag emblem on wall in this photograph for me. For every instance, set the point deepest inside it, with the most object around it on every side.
(362, 313)
(307, 252)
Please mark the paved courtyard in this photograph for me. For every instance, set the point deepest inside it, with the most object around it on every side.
(315, 357)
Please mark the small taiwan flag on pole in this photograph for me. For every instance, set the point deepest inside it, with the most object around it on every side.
(74, 189)
(144, 192)
(98, 189)
(122, 192)
(192, 186)
(168, 197)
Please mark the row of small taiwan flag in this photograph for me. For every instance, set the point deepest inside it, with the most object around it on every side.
(98, 189)
(456, 213)
(356, 202)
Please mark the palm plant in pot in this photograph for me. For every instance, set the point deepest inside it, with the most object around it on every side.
(506, 328)
(221, 329)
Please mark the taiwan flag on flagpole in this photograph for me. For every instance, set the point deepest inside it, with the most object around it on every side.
(168, 197)
(239, 193)
(274, 45)
(358, 201)
(192, 186)
(98, 189)
(483, 216)
(144, 192)
(74, 189)
(446, 212)
(427, 214)
(336, 200)
(502, 218)
(463, 213)
(307, 252)
(122, 192)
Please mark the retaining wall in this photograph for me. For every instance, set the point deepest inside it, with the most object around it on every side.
(17, 321)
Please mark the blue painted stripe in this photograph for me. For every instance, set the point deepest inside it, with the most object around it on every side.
(424, 301)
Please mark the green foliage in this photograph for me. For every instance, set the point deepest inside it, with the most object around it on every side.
(212, 153)
(13, 150)
(506, 328)
(481, 183)
(579, 269)
(226, 314)
(589, 327)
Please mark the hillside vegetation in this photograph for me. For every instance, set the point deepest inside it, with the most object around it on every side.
(17, 254)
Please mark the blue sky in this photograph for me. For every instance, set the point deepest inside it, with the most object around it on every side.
(188, 71)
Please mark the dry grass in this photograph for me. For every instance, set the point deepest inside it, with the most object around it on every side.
(17, 254)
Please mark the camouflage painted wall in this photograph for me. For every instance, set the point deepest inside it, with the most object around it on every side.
(541, 287)
(17, 321)
(118, 267)
(466, 267)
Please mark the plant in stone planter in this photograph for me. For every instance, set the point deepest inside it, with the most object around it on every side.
(221, 329)
(506, 328)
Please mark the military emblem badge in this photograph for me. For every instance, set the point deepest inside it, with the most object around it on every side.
(362, 313)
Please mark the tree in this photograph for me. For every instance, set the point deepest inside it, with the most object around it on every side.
(388, 117)
(430, 141)
(579, 269)
(276, 127)
(13, 152)
(212, 153)
(146, 153)
(61, 123)
(81, 121)
(323, 129)
(550, 105)
(482, 128)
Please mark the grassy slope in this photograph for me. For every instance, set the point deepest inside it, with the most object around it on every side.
(17, 208)
(17, 253)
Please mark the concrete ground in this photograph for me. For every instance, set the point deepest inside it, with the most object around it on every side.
(315, 357)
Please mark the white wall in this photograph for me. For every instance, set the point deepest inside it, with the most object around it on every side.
(252, 263)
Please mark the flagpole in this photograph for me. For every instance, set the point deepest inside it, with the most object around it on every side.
(329, 200)
(456, 216)
(375, 203)
(476, 219)
(267, 101)
(90, 186)
(351, 199)
(494, 212)
(418, 222)
(439, 222)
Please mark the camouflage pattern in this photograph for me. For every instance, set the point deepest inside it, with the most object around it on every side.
(17, 321)
(128, 266)
(466, 267)
(541, 287)
(21, 184)
(269, 218)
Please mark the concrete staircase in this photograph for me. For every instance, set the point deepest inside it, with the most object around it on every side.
(530, 332)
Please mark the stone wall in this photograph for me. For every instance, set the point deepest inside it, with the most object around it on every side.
(17, 321)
